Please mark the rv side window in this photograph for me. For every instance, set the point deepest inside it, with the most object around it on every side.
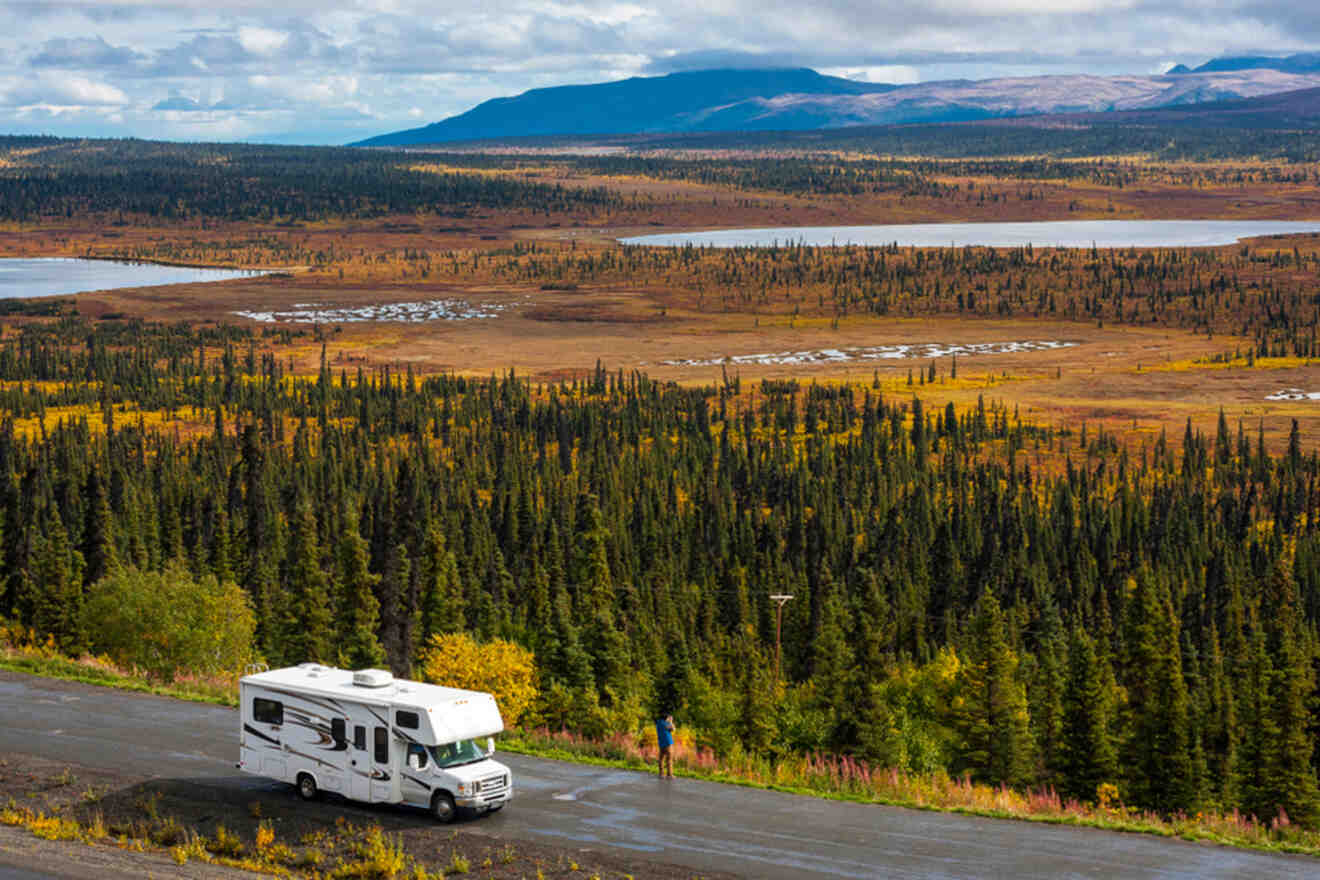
(359, 737)
(338, 732)
(267, 711)
(382, 746)
(407, 720)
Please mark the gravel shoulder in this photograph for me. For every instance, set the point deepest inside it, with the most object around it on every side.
(146, 819)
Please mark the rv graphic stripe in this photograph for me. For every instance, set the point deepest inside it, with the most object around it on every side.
(248, 728)
(331, 706)
(414, 779)
(323, 763)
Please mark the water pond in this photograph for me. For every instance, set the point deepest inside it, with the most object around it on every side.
(1063, 233)
(55, 276)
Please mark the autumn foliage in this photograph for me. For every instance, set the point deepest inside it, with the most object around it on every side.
(498, 667)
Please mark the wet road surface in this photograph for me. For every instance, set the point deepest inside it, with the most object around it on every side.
(696, 826)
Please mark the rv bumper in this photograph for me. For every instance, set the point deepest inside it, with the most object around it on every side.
(480, 802)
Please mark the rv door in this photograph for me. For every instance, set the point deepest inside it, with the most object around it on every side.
(382, 765)
(360, 778)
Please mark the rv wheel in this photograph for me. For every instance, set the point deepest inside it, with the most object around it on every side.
(442, 807)
(306, 786)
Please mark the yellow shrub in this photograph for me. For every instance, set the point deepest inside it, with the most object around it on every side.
(265, 835)
(501, 668)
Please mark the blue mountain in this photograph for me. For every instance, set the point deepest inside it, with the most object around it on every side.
(1306, 62)
(702, 100)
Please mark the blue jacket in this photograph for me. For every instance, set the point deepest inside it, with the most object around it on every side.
(664, 734)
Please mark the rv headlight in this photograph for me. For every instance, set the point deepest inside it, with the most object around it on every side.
(464, 788)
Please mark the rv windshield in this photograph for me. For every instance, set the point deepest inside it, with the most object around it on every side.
(465, 751)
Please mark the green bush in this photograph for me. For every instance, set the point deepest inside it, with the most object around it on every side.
(166, 623)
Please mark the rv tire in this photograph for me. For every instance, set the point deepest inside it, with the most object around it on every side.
(306, 786)
(442, 807)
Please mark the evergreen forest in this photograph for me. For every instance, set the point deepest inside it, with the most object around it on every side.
(47, 178)
(1023, 603)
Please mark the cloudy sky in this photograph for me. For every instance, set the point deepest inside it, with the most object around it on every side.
(331, 71)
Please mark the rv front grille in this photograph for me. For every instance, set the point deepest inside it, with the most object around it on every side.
(492, 785)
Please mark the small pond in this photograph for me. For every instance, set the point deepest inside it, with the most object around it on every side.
(1063, 233)
(55, 276)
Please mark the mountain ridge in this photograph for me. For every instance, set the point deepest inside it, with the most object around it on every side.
(663, 103)
(797, 99)
(1303, 62)
(1294, 110)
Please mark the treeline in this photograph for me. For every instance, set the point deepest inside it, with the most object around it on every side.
(820, 173)
(1165, 142)
(42, 178)
(972, 592)
(1265, 294)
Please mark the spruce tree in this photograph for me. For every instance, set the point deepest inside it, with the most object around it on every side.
(1260, 731)
(57, 588)
(671, 686)
(219, 556)
(1219, 724)
(98, 546)
(358, 616)
(1290, 779)
(566, 660)
(441, 605)
(1087, 757)
(395, 584)
(1157, 755)
(992, 722)
(1046, 696)
(307, 623)
(833, 671)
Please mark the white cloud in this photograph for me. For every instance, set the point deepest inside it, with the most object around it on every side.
(401, 61)
(897, 74)
(64, 91)
(261, 41)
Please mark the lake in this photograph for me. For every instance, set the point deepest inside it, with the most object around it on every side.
(53, 276)
(1063, 233)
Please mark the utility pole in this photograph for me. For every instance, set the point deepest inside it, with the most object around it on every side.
(780, 599)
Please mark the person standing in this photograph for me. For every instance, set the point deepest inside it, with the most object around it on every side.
(664, 735)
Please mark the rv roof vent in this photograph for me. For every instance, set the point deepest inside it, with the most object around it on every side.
(372, 678)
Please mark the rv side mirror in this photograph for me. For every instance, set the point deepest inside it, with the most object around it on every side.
(415, 761)
(490, 745)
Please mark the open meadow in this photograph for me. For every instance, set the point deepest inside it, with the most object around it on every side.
(548, 294)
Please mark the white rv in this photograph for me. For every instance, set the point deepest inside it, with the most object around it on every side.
(372, 738)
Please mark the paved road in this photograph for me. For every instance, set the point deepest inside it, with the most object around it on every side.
(696, 825)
